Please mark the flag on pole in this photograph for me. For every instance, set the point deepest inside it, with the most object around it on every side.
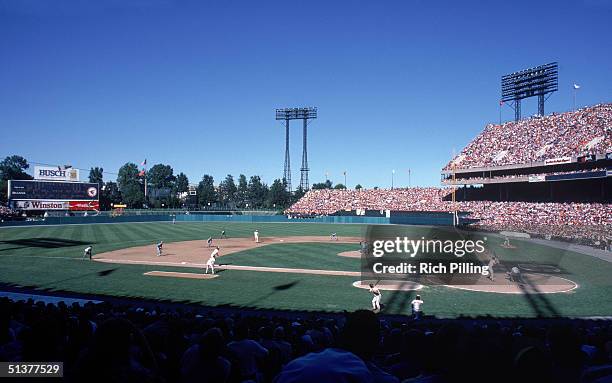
(141, 173)
(576, 86)
(144, 163)
(501, 102)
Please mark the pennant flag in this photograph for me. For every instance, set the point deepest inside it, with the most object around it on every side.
(144, 163)
(576, 86)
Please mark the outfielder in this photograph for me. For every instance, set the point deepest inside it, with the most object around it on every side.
(211, 261)
(376, 297)
(159, 248)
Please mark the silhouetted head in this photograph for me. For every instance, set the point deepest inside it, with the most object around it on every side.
(361, 333)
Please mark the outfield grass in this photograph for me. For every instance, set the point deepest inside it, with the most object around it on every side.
(48, 258)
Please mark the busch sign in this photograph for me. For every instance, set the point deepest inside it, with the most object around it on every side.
(51, 173)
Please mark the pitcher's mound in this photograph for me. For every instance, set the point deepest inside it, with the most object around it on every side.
(175, 274)
(389, 285)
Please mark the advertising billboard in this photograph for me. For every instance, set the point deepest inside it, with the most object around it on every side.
(41, 205)
(52, 191)
(51, 173)
(83, 205)
(558, 161)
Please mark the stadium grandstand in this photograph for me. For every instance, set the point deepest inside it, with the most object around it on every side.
(563, 157)
(549, 176)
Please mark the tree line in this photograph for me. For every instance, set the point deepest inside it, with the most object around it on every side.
(167, 190)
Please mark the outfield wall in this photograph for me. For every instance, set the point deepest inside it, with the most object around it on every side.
(434, 219)
(194, 218)
(88, 220)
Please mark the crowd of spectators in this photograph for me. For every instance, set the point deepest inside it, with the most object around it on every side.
(116, 343)
(7, 213)
(573, 221)
(329, 201)
(582, 132)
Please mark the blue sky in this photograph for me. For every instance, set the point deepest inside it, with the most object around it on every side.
(398, 84)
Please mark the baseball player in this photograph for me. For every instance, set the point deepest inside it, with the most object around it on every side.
(507, 242)
(376, 297)
(492, 262)
(223, 234)
(211, 261)
(159, 248)
(256, 235)
(209, 241)
(87, 252)
(515, 275)
(416, 304)
(333, 237)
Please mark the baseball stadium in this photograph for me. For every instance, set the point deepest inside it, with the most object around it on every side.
(500, 271)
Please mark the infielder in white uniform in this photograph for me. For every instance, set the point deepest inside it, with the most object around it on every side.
(87, 252)
(159, 248)
(376, 298)
(211, 261)
(256, 235)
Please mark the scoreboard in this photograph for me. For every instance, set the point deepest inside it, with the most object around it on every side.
(30, 190)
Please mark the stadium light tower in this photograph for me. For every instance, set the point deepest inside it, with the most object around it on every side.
(538, 81)
(304, 114)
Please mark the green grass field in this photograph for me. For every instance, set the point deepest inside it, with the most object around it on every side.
(48, 258)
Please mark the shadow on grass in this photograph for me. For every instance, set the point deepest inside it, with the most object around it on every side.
(275, 289)
(44, 243)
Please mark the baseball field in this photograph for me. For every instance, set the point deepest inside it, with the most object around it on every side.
(295, 267)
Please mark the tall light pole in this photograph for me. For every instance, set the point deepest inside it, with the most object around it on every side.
(345, 185)
(409, 177)
(392, 176)
(286, 115)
